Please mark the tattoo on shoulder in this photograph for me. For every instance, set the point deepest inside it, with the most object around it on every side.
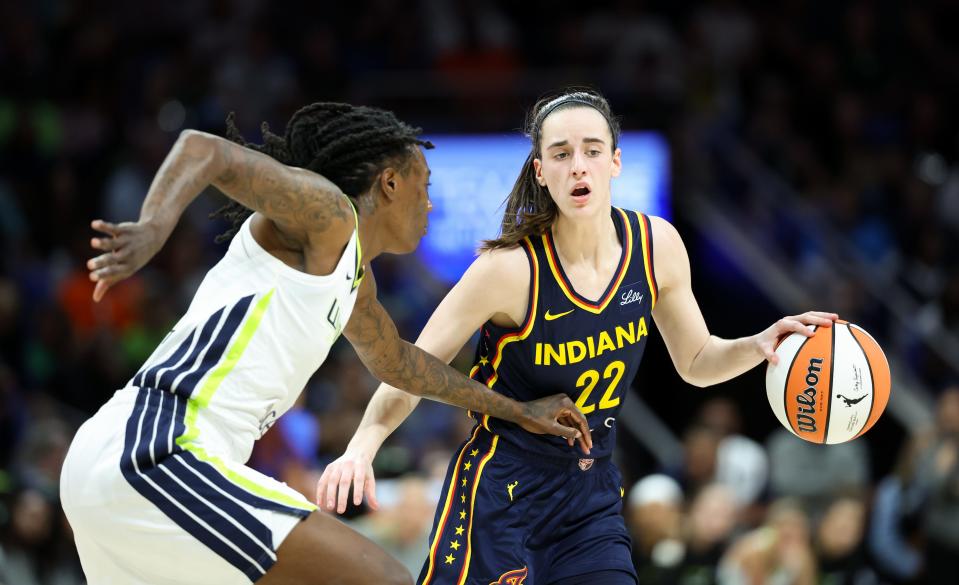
(287, 195)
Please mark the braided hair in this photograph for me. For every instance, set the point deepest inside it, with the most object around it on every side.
(349, 145)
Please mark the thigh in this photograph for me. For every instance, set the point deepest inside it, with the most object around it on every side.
(323, 550)
(480, 528)
(167, 517)
(586, 532)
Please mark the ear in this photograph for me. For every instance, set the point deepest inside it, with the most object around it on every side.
(389, 182)
(538, 172)
(616, 163)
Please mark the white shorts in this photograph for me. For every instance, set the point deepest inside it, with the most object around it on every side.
(145, 509)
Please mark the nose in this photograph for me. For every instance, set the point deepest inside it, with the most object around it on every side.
(429, 205)
(578, 168)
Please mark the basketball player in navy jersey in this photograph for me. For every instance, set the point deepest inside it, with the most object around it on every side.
(564, 300)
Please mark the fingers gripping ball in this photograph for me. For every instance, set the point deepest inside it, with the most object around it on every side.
(829, 388)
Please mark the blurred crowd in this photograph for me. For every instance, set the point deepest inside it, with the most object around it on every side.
(847, 102)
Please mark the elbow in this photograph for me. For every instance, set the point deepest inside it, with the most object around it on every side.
(202, 147)
(194, 140)
(692, 379)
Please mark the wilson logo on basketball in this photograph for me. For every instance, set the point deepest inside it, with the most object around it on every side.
(515, 577)
(807, 400)
(831, 387)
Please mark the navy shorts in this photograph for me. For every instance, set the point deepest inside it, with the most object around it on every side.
(510, 517)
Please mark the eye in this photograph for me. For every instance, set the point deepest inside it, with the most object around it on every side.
(594, 152)
(560, 155)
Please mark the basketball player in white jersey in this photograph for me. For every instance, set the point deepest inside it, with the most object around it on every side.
(155, 485)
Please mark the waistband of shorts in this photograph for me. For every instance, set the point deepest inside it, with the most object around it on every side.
(582, 462)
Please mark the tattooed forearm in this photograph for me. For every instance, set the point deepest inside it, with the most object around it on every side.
(405, 366)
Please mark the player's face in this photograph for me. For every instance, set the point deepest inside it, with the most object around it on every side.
(412, 205)
(577, 160)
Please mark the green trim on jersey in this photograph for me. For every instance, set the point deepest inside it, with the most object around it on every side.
(202, 400)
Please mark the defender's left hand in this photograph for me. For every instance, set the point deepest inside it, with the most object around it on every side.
(768, 340)
(126, 248)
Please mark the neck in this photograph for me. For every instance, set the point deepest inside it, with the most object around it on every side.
(591, 239)
(369, 219)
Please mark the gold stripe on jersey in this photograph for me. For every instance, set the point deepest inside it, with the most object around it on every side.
(441, 525)
(521, 334)
(469, 530)
(596, 308)
(531, 318)
(646, 237)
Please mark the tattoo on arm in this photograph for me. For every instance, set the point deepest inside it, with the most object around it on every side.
(298, 200)
(407, 367)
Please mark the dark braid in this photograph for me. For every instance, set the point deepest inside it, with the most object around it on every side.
(349, 145)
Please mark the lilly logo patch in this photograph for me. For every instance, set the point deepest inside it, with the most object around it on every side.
(630, 296)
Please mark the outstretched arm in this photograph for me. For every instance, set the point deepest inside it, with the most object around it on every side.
(403, 365)
(700, 358)
(300, 203)
(490, 285)
(495, 283)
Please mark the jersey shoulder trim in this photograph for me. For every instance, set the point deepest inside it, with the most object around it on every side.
(532, 308)
(646, 238)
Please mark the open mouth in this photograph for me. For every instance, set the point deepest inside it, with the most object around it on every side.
(581, 191)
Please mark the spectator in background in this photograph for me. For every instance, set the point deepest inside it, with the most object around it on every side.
(710, 526)
(840, 543)
(814, 474)
(938, 478)
(778, 552)
(401, 525)
(894, 525)
(741, 463)
(655, 518)
(31, 548)
(698, 466)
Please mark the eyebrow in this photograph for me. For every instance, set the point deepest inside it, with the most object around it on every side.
(587, 140)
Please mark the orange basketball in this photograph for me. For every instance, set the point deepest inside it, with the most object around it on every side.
(831, 387)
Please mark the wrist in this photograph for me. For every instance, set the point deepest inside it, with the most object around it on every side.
(364, 446)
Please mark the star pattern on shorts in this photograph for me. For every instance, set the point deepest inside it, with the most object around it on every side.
(449, 559)
(474, 452)
(467, 465)
(455, 544)
(462, 514)
(459, 530)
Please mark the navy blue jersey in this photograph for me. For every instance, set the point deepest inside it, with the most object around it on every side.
(588, 349)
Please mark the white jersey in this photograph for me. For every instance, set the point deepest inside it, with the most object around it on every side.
(161, 466)
(255, 332)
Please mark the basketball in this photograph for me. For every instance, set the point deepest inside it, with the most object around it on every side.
(829, 388)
